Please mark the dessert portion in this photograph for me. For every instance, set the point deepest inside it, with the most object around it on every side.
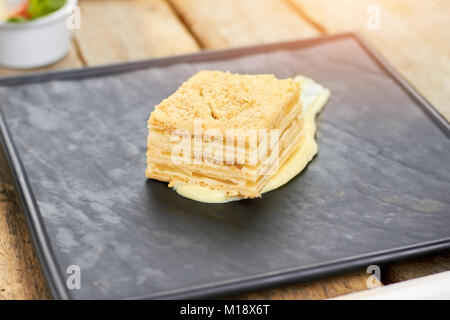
(224, 136)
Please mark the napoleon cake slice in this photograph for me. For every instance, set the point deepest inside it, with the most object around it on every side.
(224, 131)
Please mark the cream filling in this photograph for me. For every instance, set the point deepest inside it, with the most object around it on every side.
(313, 97)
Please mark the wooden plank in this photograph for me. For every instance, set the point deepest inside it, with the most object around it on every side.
(116, 31)
(321, 289)
(231, 23)
(20, 273)
(416, 268)
(413, 36)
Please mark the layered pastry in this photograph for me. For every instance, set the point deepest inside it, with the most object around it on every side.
(224, 136)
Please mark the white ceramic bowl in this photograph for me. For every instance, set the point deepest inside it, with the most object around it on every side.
(36, 43)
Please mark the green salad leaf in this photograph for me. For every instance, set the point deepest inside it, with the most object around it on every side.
(37, 9)
(40, 8)
(17, 20)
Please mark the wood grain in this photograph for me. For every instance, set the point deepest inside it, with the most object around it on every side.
(414, 36)
(232, 23)
(20, 273)
(321, 289)
(118, 31)
(416, 268)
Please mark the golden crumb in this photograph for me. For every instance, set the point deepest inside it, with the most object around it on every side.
(223, 100)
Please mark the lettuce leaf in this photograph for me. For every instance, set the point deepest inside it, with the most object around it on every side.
(40, 8)
(37, 9)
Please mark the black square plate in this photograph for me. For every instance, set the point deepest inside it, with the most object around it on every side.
(75, 141)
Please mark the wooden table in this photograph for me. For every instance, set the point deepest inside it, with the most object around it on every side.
(413, 35)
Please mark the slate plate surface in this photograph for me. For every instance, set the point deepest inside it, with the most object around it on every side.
(75, 141)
